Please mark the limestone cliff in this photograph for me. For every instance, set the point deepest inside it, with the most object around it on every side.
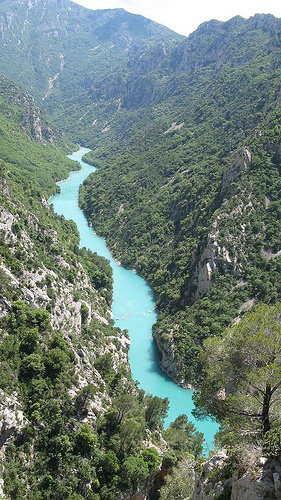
(216, 256)
(37, 269)
(168, 358)
(32, 121)
(12, 419)
(241, 162)
(258, 481)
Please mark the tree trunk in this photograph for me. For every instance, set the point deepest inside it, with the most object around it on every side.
(265, 409)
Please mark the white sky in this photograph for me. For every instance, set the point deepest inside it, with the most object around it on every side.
(184, 16)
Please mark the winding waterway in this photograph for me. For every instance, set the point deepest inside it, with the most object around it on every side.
(133, 307)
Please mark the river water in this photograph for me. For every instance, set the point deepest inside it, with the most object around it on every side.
(132, 308)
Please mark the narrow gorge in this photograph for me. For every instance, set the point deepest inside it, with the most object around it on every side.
(133, 309)
(184, 133)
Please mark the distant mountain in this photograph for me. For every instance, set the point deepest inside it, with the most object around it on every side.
(71, 58)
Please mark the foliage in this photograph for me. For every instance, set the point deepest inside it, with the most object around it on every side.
(272, 442)
(181, 435)
(179, 485)
(156, 411)
(99, 271)
(134, 472)
(242, 374)
(66, 456)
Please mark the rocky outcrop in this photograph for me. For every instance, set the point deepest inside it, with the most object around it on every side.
(215, 256)
(170, 362)
(260, 481)
(206, 489)
(166, 353)
(4, 188)
(264, 482)
(12, 419)
(241, 162)
(187, 56)
(212, 258)
(32, 121)
(39, 130)
(174, 126)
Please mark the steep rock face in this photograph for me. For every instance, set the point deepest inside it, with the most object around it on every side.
(233, 243)
(169, 360)
(66, 312)
(204, 489)
(241, 162)
(262, 481)
(32, 120)
(3, 185)
(216, 43)
(12, 419)
(215, 256)
(40, 133)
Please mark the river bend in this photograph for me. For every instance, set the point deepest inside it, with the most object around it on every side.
(132, 308)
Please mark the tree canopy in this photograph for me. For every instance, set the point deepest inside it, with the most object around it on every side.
(242, 374)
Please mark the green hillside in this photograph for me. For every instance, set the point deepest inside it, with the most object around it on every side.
(188, 189)
(75, 62)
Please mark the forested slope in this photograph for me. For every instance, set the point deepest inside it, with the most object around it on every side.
(188, 189)
(75, 61)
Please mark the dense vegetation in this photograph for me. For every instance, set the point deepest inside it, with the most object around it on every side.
(164, 116)
(29, 168)
(241, 388)
(66, 454)
(169, 200)
(242, 379)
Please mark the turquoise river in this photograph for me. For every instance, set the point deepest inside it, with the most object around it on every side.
(132, 308)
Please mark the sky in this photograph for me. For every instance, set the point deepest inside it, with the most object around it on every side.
(184, 16)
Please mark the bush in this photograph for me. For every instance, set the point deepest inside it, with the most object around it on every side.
(272, 442)
(31, 366)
